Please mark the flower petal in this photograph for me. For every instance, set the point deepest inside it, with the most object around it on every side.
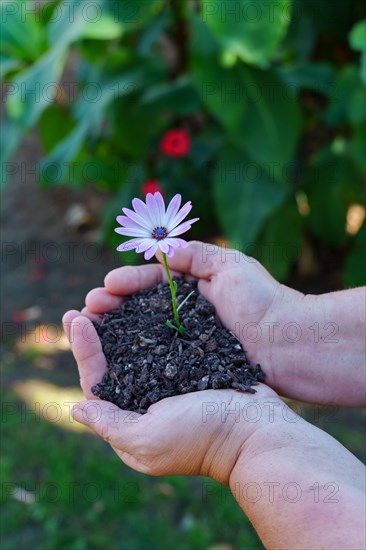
(132, 232)
(182, 228)
(145, 244)
(127, 222)
(175, 242)
(172, 209)
(140, 208)
(161, 206)
(181, 215)
(170, 252)
(151, 251)
(144, 222)
(153, 210)
(128, 245)
(163, 246)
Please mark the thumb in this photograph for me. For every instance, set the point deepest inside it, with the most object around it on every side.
(202, 260)
(119, 428)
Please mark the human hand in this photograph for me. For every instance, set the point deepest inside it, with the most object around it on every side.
(275, 324)
(244, 294)
(199, 433)
(212, 432)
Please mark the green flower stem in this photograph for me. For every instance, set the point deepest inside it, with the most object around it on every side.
(173, 290)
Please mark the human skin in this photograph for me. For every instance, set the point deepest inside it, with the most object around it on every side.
(312, 348)
(279, 451)
(308, 489)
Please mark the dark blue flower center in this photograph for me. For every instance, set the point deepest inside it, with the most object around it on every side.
(159, 233)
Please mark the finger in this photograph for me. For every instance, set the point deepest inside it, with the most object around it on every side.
(119, 428)
(69, 316)
(67, 319)
(87, 350)
(129, 279)
(99, 300)
(199, 259)
(96, 318)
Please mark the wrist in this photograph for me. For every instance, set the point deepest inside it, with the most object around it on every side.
(302, 351)
(294, 462)
(299, 347)
(239, 419)
(275, 341)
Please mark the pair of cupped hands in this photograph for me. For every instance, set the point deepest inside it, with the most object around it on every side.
(201, 433)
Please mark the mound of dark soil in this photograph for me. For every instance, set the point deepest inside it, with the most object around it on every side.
(148, 361)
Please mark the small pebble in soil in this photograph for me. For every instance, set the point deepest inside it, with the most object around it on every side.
(147, 361)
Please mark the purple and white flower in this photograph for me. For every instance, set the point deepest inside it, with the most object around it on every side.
(153, 226)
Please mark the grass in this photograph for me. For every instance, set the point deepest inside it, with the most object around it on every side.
(83, 497)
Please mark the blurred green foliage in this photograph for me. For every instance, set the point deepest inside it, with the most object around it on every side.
(89, 500)
(272, 94)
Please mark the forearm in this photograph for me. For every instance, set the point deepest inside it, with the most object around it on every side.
(317, 353)
(300, 488)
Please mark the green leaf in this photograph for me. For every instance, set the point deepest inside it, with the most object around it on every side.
(136, 14)
(205, 147)
(132, 117)
(54, 125)
(105, 28)
(356, 108)
(73, 17)
(255, 106)
(152, 33)
(270, 129)
(202, 41)
(108, 90)
(357, 36)
(8, 64)
(301, 36)
(22, 36)
(332, 184)
(357, 147)
(104, 166)
(346, 82)
(57, 167)
(279, 243)
(354, 273)
(172, 326)
(363, 67)
(309, 76)
(220, 89)
(357, 40)
(33, 89)
(245, 195)
(89, 115)
(178, 97)
(249, 30)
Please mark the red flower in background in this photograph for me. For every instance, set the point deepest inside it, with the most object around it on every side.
(175, 143)
(151, 186)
